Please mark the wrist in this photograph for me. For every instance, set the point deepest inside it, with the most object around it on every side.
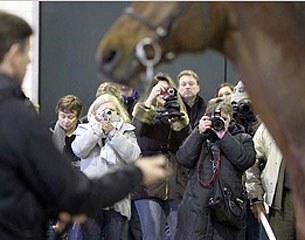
(147, 104)
(254, 201)
(199, 131)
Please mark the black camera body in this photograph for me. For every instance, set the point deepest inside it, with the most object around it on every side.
(217, 122)
(171, 108)
(242, 108)
(242, 113)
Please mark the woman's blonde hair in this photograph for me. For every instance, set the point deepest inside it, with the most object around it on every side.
(104, 98)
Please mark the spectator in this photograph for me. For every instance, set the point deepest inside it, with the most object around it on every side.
(161, 125)
(189, 88)
(130, 97)
(224, 90)
(243, 113)
(106, 143)
(210, 154)
(268, 182)
(68, 110)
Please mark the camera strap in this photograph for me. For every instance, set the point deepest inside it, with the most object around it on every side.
(214, 153)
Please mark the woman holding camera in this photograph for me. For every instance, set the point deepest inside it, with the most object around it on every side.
(217, 152)
(106, 143)
(161, 126)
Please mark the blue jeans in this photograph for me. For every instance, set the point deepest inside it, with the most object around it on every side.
(109, 225)
(158, 218)
(134, 226)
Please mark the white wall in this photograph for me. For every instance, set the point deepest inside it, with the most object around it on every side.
(29, 10)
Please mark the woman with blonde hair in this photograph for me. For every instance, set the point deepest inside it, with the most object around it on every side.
(107, 142)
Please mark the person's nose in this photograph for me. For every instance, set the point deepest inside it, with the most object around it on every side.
(66, 120)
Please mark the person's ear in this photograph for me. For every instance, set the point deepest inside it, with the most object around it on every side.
(10, 58)
(13, 51)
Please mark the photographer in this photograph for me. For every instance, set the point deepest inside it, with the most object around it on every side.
(242, 109)
(217, 148)
(161, 126)
(106, 143)
(244, 116)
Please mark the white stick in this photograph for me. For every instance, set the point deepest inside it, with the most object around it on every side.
(267, 226)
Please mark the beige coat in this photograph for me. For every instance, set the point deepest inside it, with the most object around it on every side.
(261, 185)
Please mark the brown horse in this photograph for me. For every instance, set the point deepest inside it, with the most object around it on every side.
(265, 42)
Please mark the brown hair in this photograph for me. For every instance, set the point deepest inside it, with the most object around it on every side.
(13, 30)
(219, 103)
(222, 85)
(69, 103)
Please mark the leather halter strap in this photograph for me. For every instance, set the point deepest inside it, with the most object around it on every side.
(160, 30)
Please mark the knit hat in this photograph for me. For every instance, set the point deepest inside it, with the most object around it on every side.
(239, 93)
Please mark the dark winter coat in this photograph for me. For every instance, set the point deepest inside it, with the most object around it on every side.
(158, 138)
(35, 176)
(196, 112)
(237, 154)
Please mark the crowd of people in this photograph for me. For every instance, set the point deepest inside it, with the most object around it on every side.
(134, 167)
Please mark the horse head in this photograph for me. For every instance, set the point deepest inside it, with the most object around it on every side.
(170, 25)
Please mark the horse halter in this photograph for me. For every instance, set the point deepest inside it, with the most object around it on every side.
(161, 32)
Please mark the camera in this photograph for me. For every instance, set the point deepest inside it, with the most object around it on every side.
(217, 122)
(107, 115)
(168, 92)
(171, 108)
(242, 108)
(242, 113)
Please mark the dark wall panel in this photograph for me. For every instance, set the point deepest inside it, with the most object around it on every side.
(69, 35)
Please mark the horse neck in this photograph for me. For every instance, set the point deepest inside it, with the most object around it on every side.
(268, 55)
(201, 25)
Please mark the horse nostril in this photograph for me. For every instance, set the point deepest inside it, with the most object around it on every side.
(109, 58)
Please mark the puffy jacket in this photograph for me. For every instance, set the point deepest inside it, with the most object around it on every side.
(236, 155)
(155, 138)
(263, 182)
(98, 157)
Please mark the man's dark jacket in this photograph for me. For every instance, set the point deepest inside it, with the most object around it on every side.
(35, 177)
(196, 112)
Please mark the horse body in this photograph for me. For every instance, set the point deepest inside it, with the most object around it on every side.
(269, 56)
(264, 41)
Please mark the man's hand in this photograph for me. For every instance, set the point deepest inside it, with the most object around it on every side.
(154, 169)
(66, 218)
(257, 208)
